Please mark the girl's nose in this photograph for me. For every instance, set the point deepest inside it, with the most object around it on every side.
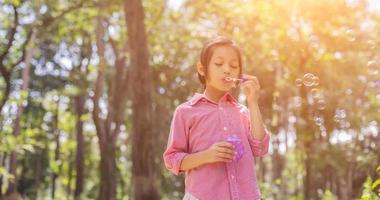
(226, 69)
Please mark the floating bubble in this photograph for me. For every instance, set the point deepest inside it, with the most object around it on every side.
(308, 79)
(183, 83)
(340, 114)
(323, 133)
(316, 93)
(373, 67)
(315, 80)
(321, 104)
(161, 90)
(318, 121)
(299, 82)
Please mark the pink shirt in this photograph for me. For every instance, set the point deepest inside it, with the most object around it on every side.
(199, 123)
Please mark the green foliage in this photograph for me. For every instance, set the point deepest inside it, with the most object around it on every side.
(329, 196)
(368, 193)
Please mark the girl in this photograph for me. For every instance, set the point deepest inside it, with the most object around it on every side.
(214, 139)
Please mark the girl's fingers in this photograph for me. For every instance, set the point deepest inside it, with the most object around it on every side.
(251, 79)
(225, 145)
(225, 148)
(251, 82)
(225, 155)
(226, 151)
(224, 159)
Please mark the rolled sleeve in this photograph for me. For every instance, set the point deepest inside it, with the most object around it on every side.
(177, 147)
(173, 162)
(259, 147)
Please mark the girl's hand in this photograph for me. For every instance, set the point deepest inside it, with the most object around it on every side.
(251, 88)
(220, 152)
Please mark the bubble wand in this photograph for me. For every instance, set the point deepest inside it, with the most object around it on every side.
(241, 80)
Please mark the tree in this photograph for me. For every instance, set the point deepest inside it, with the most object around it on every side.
(143, 170)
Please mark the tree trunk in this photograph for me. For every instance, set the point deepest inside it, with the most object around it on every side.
(20, 108)
(143, 169)
(38, 167)
(70, 174)
(56, 151)
(79, 162)
(106, 132)
(108, 175)
(307, 180)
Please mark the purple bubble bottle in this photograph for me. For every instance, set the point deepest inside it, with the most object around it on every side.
(238, 144)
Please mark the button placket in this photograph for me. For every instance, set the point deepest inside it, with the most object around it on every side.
(232, 179)
(224, 119)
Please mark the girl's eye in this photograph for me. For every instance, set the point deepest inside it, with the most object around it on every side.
(218, 64)
(235, 67)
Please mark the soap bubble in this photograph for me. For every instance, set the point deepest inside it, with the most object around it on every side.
(340, 114)
(318, 120)
(373, 67)
(316, 93)
(308, 79)
(321, 104)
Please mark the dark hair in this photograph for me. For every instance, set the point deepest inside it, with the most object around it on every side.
(208, 50)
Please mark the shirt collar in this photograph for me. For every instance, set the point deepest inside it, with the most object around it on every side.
(226, 98)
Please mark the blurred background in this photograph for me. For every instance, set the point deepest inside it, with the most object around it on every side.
(88, 89)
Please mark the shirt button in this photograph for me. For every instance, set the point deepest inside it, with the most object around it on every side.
(232, 176)
(225, 128)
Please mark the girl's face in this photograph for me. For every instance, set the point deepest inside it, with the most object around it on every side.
(224, 63)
